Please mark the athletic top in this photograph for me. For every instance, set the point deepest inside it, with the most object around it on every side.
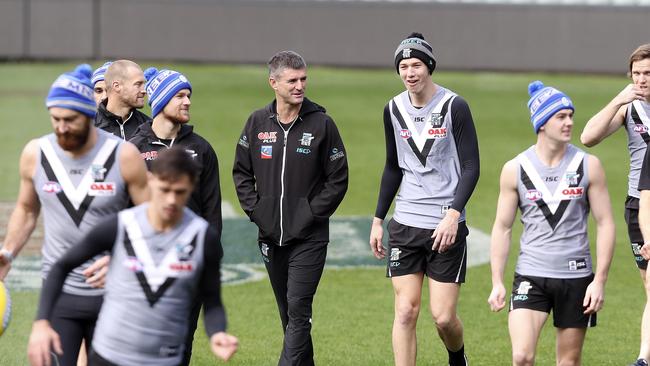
(637, 123)
(153, 280)
(554, 210)
(76, 194)
(431, 156)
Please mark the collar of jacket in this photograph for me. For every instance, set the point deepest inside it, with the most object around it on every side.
(307, 107)
(110, 115)
(147, 130)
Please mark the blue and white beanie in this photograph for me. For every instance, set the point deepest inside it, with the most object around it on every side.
(73, 90)
(162, 86)
(98, 75)
(544, 102)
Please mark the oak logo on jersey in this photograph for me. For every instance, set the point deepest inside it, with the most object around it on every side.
(266, 152)
(51, 187)
(573, 193)
(437, 133)
(268, 137)
(102, 189)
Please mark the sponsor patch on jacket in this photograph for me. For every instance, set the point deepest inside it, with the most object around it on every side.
(51, 187)
(267, 152)
(149, 155)
(268, 137)
(336, 154)
(102, 189)
(306, 139)
(243, 142)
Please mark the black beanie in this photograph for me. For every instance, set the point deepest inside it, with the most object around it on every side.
(415, 46)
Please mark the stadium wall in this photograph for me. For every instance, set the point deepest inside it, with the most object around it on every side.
(576, 38)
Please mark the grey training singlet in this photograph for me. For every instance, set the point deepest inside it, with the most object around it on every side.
(427, 155)
(77, 194)
(637, 124)
(554, 211)
(150, 288)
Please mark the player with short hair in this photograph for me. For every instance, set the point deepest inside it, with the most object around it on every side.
(432, 158)
(163, 255)
(125, 91)
(169, 97)
(78, 175)
(291, 173)
(630, 109)
(99, 82)
(555, 185)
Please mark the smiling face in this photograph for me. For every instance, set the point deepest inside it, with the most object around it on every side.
(178, 107)
(414, 74)
(289, 85)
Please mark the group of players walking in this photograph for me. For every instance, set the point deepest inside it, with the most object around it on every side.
(132, 229)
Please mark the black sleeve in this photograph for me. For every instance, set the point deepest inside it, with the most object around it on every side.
(100, 239)
(392, 177)
(467, 149)
(210, 285)
(242, 171)
(210, 189)
(335, 167)
(644, 178)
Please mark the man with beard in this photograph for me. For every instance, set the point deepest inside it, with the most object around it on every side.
(119, 113)
(169, 97)
(99, 82)
(79, 175)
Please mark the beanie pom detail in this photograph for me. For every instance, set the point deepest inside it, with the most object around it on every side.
(150, 73)
(534, 87)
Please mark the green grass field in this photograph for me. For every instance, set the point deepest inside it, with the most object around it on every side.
(353, 308)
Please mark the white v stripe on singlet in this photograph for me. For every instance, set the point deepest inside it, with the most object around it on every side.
(77, 194)
(638, 107)
(156, 274)
(551, 200)
(419, 138)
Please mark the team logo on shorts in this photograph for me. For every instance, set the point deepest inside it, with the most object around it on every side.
(533, 195)
(394, 254)
(264, 248)
(98, 172)
(522, 291)
(267, 152)
(51, 187)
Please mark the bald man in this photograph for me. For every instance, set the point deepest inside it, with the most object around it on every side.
(119, 113)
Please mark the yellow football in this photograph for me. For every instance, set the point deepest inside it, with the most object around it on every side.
(5, 307)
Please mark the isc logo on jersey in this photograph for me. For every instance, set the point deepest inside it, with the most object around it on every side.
(572, 193)
(437, 133)
(101, 189)
(533, 195)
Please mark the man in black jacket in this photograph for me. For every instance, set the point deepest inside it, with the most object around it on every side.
(118, 113)
(169, 97)
(291, 174)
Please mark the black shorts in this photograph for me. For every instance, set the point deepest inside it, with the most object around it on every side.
(564, 296)
(633, 230)
(409, 251)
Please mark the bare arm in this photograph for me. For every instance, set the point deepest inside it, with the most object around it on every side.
(605, 234)
(610, 118)
(502, 232)
(134, 172)
(23, 219)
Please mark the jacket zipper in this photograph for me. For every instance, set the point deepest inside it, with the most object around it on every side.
(122, 125)
(284, 160)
